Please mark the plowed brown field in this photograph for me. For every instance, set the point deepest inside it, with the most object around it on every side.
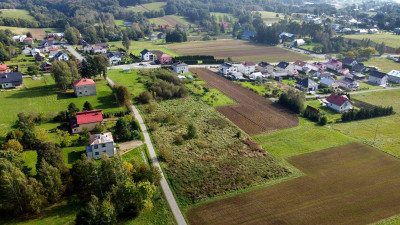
(351, 184)
(254, 114)
(237, 50)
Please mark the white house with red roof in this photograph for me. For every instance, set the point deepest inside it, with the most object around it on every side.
(318, 66)
(84, 87)
(87, 119)
(299, 65)
(99, 144)
(334, 64)
(339, 103)
(28, 41)
(343, 71)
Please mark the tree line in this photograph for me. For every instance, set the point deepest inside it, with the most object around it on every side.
(367, 113)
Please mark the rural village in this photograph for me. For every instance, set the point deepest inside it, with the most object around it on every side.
(192, 112)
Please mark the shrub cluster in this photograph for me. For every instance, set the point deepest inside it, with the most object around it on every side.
(292, 100)
(362, 114)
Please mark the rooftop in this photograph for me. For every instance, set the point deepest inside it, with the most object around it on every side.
(101, 138)
(338, 100)
(89, 117)
(83, 82)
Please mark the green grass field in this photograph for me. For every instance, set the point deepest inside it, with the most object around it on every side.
(386, 128)
(305, 138)
(44, 96)
(138, 46)
(386, 65)
(22, 61)
(17, 14)
(135, 154)
(270, 17)
(221, 16)
(390, 40)
(128, 78)
(330, 114)
(214, 97)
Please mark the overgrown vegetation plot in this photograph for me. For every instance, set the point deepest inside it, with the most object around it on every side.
(205, 155)
(341, 186)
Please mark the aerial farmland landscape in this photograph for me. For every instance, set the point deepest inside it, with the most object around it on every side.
(199, 112)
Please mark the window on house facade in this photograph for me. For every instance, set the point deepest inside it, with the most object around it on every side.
(96, 147)
(97, 153)
(103, 145)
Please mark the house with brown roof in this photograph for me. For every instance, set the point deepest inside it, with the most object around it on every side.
(100, 144)
(334, 64)
(4, 68)
(28, 41)
(84, 87)
(339, 103)
(87, 119)
(247, 67)
(163, 58)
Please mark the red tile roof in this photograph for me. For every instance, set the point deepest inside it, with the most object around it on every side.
(28, 39)
(51, 39)
(338, 100)
(300, 63)
(3, 67)
(83, 82)
(94, 116)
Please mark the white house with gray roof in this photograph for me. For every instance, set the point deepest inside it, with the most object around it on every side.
(99, 144)
(180, 68)
(394, 76)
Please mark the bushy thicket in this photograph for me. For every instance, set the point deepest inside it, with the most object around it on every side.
(166, 85)
(362, 114)
(292, 100)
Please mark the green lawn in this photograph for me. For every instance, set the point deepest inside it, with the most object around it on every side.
(221, 17)
(158, 21)
(44, 96)
(129, 78)
(260, 89)
(135, 154)
(330, 114)
(138, 46)
(390, 39)
(119, 22)
(53, 30)
(386, 128)
(214, 97)
(367, 86)
(386, 65)
(22, 61)
(17, 14)
(270, 17)
(305, 138)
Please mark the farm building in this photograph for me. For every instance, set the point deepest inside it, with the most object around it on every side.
(28, 41)
(84, 87)
(248, 35)
(307, 84)
(297, 42)
(334, 64)
(11, 79)
(394, 76)
(339, 103)
(146, 55)
(4, 68)
(87, 119)
(378, 78)
(99, 144)
(180, 68)
(348, 83)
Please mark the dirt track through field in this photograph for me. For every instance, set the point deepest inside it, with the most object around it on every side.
(351, 184)
(254, 114)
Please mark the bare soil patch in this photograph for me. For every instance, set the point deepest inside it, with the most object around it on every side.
(351, 184)
(254, 114)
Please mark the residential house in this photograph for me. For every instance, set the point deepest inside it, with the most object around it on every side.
(286, 36)
(348, 83)
(164, 27)
(329, 83)
(114, 57)
(11, 79)
(257, 75)
(394, 76)
(378, 78)
(84, 87)
(357, 76)
(237, 76)
(319, 66)
(46, 43)
(163, 58)
(26, 51)
(339, 103)
(307, 84)
(87, 47)
(99, 144)
(52, 54)
(153, 37)
(35, 51)
(228, 68)
(87, 119)
(45, 66)
(161, 35)
(146, 55)
(180, 68)
(247, 68)
(359, 67)
(248, 35)
(60, 56)
(334, 64)
(343, 71)
(361, 31)
(297, 42)
(28, 41)
(325, 75)
(303, 66)
(4, 68)
(373, 31)
(99, 49)
(349, 62)
(40, 57)
(265, 67)
(19, 38)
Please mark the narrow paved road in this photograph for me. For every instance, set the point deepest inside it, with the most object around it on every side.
(73, 52)
(357, 92)
(167, 191)
(164, 184)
